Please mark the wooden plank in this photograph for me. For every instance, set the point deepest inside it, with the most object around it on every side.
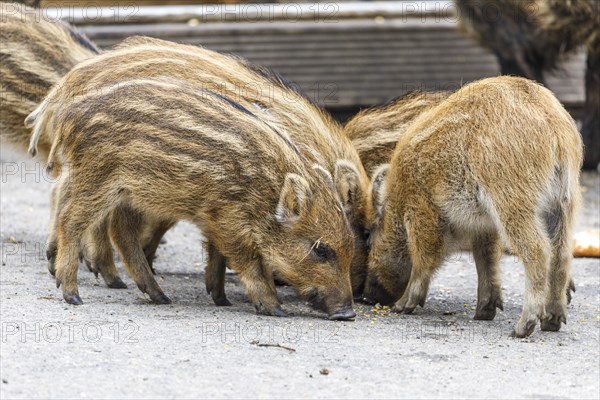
(84, 13)
(366, 53)
(123, 3)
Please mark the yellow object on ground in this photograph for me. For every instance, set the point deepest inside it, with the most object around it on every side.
(587, 244)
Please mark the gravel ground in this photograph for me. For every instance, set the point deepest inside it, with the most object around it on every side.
(118, 345)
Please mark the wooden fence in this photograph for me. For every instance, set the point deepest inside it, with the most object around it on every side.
(344, 55)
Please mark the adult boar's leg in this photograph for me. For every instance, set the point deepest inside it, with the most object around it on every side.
(590, 130)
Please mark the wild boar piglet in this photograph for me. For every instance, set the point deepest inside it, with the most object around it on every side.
(375, 131)
(37, 52)
(282, 105)
(497, 162)
(177, 151)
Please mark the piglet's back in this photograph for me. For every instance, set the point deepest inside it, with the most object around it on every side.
(36, 53)
(173, 135)
(492, 129)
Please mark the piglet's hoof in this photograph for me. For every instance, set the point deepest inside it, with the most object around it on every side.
(551, 322)
(160, 299)
(550, 326)
(486, 309)
(346, 314)
(117, 284)
(525, 328)
(276, 311)
(73, 299)
(485, 314)
(221, 301)
(402, 307)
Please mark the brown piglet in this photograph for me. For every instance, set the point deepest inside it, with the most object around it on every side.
(177, 151)
(497, 162)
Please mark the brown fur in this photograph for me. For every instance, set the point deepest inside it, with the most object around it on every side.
(498, 161)
(174, 150)
(30, 3)
(375, 131)
(36, 53)
(318, 137)
(531, 37)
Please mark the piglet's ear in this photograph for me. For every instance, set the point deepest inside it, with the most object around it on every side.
(293, 200)
(327, 178)
(347, 182)
(378, 190)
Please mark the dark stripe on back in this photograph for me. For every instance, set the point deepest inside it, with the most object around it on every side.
(94, 134)
(233, 103)
(35, 96)
(81, 39)
(79, 113)
(85, 109)
(56, 61)
(25, 76)
(245, 110)
(125, 138)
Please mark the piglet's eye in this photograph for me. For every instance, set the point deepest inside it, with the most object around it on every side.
(367, 235)
(323, 251)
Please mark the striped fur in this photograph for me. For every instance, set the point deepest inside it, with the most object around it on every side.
(375, 131)
(318, 137)
(30, 3)
(497, 162)
(34, 54)
(175, 150)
